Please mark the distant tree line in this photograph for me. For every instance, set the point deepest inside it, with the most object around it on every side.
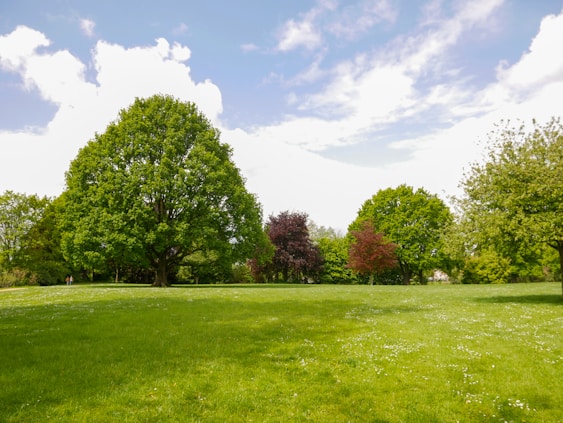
(157, 199)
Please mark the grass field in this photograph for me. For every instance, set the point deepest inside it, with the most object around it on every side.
(282, 353)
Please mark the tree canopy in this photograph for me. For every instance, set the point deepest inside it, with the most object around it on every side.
(295, 257)
(414, 221)
(516, 194)
(155, 188)
(18, 215)
(370, 252)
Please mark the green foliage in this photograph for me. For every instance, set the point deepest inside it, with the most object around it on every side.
(205, 267)
(488, 267)
(18, 214)
(334, 252)
(241, 273)
(466, 241)
(42, 253)
(29, 242)
(281, 353)
(514, 199)
(156, 187)
(261, 261)
(317, 232)
(415, 221)
(17, 277)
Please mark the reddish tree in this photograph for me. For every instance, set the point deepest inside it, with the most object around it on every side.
(371, 253)
(295, 257)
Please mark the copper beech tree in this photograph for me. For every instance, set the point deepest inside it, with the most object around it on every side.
(295, 256)
(370, 253)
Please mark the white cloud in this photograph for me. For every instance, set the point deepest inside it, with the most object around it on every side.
(180, 53)
(286, 177)
(88, 26)
(541, 63)
(349, 21)
(124, 74)
(17, 46)
(305, 32)
(248, 47)
(313, 73)
(59, 77)
(371, 91)
(36, 162)
(357, 18)
(181, 29)
(299, 34)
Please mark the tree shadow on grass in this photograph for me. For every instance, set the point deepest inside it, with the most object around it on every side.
(523, 299)
(205, 286)
(245, 286)
(87, 352)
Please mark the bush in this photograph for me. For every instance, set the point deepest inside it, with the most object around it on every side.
(488, 267)
(18, 277)
(241, 274)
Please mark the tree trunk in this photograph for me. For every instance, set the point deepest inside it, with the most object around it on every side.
(406, 271)
(161, 279)
(421, 278)
(371, 278)
(407, 275)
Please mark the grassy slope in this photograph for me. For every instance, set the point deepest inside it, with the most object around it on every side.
(103, 353)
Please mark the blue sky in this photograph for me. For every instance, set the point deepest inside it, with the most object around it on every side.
(324, 102)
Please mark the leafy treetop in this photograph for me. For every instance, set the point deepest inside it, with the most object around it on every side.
(370, 253)
(414, 221)
(154, 188)
(517, 193)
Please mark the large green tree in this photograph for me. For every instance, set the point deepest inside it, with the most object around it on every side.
(515, 196)
(155, 188)
(414, 221)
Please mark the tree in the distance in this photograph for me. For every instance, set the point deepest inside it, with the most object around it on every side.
(296, 257)
(370, 253)
(156, 187)
(415, 221)
(334, 252)
(19, 213)
(333, 248)
(515, 197)
(261, 262)
(41, 251)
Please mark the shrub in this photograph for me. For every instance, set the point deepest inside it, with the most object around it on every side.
(18, 277)
(241, 274)
(488, 267)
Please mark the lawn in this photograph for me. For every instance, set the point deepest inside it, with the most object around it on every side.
(282, 353)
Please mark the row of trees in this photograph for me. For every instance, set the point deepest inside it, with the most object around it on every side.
(156, 198)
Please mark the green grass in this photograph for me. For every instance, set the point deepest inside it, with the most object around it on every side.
(282, 353)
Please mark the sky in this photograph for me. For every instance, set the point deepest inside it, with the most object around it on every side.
(324, 102)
